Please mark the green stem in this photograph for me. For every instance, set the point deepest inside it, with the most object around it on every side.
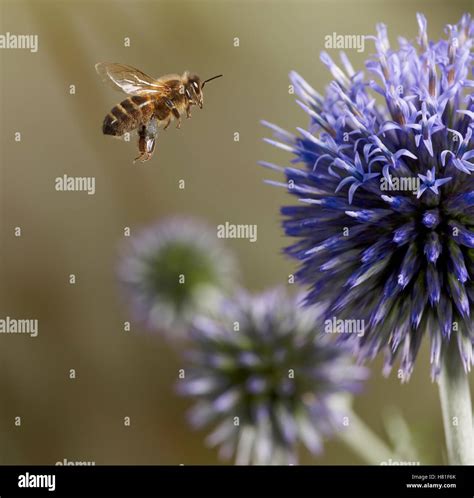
(365, 443)
(456, 407)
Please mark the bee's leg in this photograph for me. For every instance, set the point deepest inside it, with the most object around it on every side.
(146, 141)
(141, 144)
(146, 148)
(177, 115)
(168, 122)
(150, 146)
(175, 112)
(188, 110)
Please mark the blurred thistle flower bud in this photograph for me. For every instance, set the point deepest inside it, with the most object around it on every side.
(265, 377)
(174, 270)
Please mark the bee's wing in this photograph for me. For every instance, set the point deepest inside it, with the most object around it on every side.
(130, 80)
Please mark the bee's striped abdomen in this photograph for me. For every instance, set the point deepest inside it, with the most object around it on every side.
(128, 115)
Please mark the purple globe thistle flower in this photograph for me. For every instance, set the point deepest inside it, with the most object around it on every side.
(401, 260)
(263, 376)
(174, 270)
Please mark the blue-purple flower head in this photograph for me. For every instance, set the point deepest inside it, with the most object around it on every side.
(266, 380)
(174, 270)
(385, 214)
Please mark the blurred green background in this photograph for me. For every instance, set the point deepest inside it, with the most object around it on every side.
(132, 374)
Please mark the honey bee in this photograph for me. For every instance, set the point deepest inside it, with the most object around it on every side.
(152, 102)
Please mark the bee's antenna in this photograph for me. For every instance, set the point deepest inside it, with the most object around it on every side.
(210, 79)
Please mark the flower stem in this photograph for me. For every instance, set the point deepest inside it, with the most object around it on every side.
(456, 407)
(365, 443)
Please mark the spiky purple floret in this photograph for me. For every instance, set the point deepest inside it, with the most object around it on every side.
(401, 260)
(263, 376)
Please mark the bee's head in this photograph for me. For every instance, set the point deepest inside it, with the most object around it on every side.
(193, 87)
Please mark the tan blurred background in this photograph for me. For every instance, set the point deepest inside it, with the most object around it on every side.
(132, 374)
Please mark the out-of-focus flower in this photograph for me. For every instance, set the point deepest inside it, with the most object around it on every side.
(386, 214)
(266, 379)
(174, 270)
